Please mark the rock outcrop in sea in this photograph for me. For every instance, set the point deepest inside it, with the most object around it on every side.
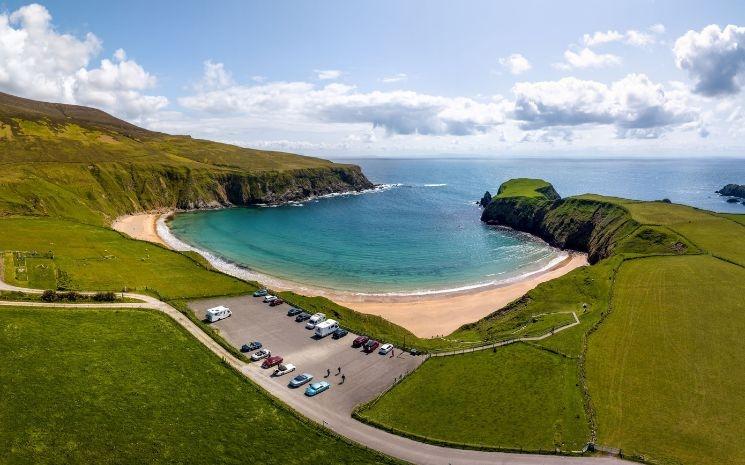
(733, 190)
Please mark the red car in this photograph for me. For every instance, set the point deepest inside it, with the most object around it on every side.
(371, 345)
(276, 302)
(360, 341)
(271, 361)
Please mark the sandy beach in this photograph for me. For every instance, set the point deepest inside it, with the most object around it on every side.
(428, 315)
(140, 226)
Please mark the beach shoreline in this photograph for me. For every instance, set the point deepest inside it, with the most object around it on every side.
(426, 314)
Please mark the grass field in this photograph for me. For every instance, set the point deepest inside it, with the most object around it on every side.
(524, 187)
(113, 387)
(99, 259)
(490, 399)
(666, 368)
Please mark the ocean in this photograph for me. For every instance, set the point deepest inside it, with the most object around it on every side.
(421, 233)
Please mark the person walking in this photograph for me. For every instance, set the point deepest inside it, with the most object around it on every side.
(328, 373)
(343, 378)
(391, 353)
(338, 371)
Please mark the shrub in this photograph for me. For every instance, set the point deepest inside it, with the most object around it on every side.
(49, 296)
(104, 297)
(71, 296)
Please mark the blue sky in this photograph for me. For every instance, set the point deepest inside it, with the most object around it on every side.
(398, 78)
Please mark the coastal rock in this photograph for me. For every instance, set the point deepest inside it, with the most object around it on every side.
(733, 190)
(484, 202)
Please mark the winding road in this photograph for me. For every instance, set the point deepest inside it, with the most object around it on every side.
(342, 424)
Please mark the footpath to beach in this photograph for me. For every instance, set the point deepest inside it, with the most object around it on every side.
(341, 422)
(429, 315)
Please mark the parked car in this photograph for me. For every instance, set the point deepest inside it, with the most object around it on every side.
(299, 380)
(302, 317)
(283, 369)
(276, 302)
(339, 333)
(261, 293)
(263, 353)
(314, 320)
(251, 346)
(360, 341)
(272, 361)
(294, 311)
(385, 348)
(317, 388)
(268, 298)
(371, 345)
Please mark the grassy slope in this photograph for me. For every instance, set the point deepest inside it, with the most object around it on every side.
(131, 387)
(688, 375)
(97, 258)
(540, 413)
(666, 368)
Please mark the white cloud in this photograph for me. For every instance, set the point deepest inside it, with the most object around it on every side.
(515, 63)
(397, 112)
(600, 37)
(631, 37)
(327, 74)
(714, 59)
(215, 76)
(658, 28)
(38, 62)
(395, 78)
(635, 106)
(586, 58)
(639, 39)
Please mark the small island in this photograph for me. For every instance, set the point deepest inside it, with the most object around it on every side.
(734, 192)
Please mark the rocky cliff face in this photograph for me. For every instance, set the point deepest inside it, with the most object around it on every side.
(579, 224)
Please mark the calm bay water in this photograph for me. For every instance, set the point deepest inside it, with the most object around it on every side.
(424, 232)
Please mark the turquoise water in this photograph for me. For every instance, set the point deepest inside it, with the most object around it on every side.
(424, 233)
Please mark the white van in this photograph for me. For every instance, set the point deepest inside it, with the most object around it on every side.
(217, 313)
(327, 327)
(314, 320)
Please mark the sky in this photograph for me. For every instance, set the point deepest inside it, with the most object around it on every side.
(400, 78)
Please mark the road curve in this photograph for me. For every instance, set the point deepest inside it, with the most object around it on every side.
(344, 425)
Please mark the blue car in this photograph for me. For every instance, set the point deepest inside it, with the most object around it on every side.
(256, 345)
(317, 388)
(261, 293)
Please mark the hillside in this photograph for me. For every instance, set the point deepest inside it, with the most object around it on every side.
(84, 164)
(654, 367)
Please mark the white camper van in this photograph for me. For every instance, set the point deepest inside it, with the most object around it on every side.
(327, 327)
(217, 313)
(314, 320)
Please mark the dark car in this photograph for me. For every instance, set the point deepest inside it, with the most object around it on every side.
(371, 345)
(272, 361)
(251, 346)
(360, 341)
(276, 302)
(302, 317)
(339, 333)
(294, 311)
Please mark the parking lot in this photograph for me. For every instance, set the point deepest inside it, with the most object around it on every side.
(367, 375)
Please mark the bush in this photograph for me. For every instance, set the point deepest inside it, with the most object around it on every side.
(104, 297)
(49, 296)
(71, 296)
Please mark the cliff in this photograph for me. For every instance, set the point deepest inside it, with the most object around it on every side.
(81, 163)
(576, 223)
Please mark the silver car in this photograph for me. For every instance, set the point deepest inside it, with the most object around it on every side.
(299, 380)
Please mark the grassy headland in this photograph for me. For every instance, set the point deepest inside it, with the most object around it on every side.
(655, 355)
(83, 164)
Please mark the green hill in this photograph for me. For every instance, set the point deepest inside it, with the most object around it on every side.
(657, 360)
(81, 163)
